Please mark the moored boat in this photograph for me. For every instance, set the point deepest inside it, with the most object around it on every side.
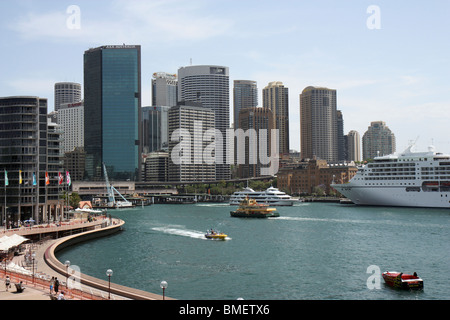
(271, 196)
(409, 179)
(402, 280)
(249, 208)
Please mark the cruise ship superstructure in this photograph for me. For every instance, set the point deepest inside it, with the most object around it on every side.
(271, 196)
(410, 179)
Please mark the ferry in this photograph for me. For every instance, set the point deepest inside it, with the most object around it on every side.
(271, 196)
(409, 179)
(249, 208)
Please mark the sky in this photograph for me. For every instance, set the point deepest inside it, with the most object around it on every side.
(388, 60)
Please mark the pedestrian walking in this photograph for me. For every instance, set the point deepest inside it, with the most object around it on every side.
(52, 283)
(7, 283)
(56, 286)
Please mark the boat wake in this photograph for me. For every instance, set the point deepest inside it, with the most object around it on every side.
(324, 220)
(184, 233)
(181, 232)
(212, 205)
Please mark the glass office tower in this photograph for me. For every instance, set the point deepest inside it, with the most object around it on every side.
(112, 88)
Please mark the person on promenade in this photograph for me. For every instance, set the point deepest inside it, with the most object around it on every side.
(52, 282)
(7, 283)
(61, 296)
(56, 285)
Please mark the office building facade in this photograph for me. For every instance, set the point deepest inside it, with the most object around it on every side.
(353, 142)
(67, 92)
(210, 86)
(318, 124)
(245, 95)
(155, 128)
(378, 140)
(29, 150)
(164, 89)
(187, 126)
(276, 99)
(70, 117)
(112, 90)
(254, 119)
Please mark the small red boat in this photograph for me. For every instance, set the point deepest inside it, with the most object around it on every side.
(402, 280)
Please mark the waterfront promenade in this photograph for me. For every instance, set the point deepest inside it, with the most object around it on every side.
(46, 242)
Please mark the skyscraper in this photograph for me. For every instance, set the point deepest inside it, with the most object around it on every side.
(29, 149)
(245, 95)
(353, 146)
(254, 119)
(210, 86)
(112, 105)
(378, 140)
(318, 123)
(67, 92)
(164, 89)
(155, 131)
(276, 98)
(188, 122)
(342, 147)
(71, 119)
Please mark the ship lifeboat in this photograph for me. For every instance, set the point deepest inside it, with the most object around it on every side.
(402, 280)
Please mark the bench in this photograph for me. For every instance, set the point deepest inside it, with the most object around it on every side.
(19, 287)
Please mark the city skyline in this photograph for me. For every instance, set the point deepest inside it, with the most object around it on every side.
(397, 74)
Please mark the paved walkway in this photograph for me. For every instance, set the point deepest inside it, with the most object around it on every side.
(38, 288)
(40, 291)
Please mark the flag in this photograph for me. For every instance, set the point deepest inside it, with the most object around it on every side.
(20, 176)
(47, 180)
(6, 178)
(68, 178)
(34, 179)
(60, 178)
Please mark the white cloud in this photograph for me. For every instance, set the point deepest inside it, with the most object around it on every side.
(126, 21)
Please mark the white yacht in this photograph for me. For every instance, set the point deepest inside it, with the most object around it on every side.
(271, 196)
(410, 179)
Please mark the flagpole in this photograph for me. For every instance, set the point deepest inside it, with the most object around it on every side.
(20, 200)
(4, 211)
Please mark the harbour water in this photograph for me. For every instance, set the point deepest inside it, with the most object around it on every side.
(323, 251)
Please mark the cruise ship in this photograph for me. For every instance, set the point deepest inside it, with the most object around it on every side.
(410, 179)
(271, 196)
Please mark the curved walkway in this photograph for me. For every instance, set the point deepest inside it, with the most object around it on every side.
(80, 286)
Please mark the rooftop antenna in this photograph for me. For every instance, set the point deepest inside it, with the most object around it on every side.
(191, 61)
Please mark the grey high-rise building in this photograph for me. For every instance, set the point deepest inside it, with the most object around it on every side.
(353, 146)
(245, 95)
(186, 150)
(67, 92)
(164, 89)
(276, 98)
(210, 86)
(318, 124)
(378, 140)
(112, 105)
(155, 128)
(342, 147)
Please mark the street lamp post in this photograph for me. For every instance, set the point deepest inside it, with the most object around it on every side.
(109, 273)
(33, 256)
(67, 264)
(163, 285)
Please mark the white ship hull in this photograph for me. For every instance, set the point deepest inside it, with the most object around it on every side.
(393, 196)
(411, 179)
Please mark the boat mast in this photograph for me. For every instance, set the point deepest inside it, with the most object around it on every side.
(111, 199)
